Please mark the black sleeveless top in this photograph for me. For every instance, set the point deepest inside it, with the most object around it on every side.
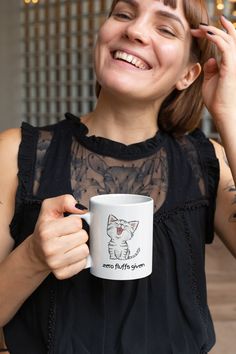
(165, 313)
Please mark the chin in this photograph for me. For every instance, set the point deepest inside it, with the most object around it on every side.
(121, 93)
(121, 88)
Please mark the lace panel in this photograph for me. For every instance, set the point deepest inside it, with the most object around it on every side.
(93, 174)
(193, 159)
(45, 138)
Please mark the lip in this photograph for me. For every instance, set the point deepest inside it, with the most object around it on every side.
(131, 52)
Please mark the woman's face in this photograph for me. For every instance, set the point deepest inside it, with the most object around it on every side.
(142, 50)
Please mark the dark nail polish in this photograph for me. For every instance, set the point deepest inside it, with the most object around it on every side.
(204, 24)
(80, 206)
(211, 33)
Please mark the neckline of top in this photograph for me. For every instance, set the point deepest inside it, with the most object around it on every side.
(107, 147)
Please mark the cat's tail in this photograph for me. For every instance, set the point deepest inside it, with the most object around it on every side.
(134, 255)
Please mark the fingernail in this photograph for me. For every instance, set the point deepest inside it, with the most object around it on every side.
(210, 33)
(203, 24)
(80, 206)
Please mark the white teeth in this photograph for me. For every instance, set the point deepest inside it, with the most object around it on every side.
(131, 59)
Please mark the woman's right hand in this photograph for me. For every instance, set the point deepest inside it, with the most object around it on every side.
(58, 243)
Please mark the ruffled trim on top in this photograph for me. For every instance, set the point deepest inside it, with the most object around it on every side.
(26, 162)
(211, 174)
(111, 148)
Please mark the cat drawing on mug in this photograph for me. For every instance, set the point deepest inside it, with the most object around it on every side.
(120, 231)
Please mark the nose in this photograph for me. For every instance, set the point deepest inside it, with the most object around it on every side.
(137, 32)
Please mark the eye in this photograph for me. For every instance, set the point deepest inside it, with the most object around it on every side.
(122, 15)
(167, 31)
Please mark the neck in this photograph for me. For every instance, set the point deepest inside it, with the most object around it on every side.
(122, 121)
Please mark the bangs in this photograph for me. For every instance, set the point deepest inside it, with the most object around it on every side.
(171, 3)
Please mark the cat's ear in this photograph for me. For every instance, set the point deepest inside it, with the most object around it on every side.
(111, 218)
(134, 225)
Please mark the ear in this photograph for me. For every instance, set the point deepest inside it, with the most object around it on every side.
(111, 218)
(190, 75)
(134, 225)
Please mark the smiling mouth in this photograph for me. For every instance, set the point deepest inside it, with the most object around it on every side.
(131, 59)
(119, 230)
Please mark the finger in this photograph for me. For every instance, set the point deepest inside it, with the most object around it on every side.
(47, 230)
(212, 30)
(223, 41)
(58, 252)
(228, 26)
(210, 68)
(81, 210)
(64, 244)
(206, 30)
(72, 241)
(76, 255)
(54, 208)
(70, 270)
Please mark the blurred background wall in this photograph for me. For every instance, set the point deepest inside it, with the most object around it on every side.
(46, 69)
(10, 64)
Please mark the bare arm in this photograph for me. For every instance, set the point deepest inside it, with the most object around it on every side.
(7, 195)
(225, 216)
(219, 94)
(57, 244)
(17, 278)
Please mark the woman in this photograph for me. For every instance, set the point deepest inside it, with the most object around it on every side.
(152, 59)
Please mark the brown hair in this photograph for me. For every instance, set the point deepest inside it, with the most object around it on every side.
(181, 111)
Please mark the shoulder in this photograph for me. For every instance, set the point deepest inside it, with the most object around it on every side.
(9, 146)
(219, 150)
(225, 172)
(10, 135)
(221, 157)
(9, 142)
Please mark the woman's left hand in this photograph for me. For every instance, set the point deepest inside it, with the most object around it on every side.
(219, 86)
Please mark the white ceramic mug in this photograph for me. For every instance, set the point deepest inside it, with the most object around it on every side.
(120, 236)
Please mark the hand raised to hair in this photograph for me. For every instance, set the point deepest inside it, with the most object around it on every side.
(58, 243)
(219, 86)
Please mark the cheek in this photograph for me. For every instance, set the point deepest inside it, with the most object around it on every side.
(105, 32)
(101, 46)
(98, 56)
(170, 54)
(170, 50)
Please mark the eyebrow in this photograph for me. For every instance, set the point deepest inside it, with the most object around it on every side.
(171, 16)
(161, 13)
